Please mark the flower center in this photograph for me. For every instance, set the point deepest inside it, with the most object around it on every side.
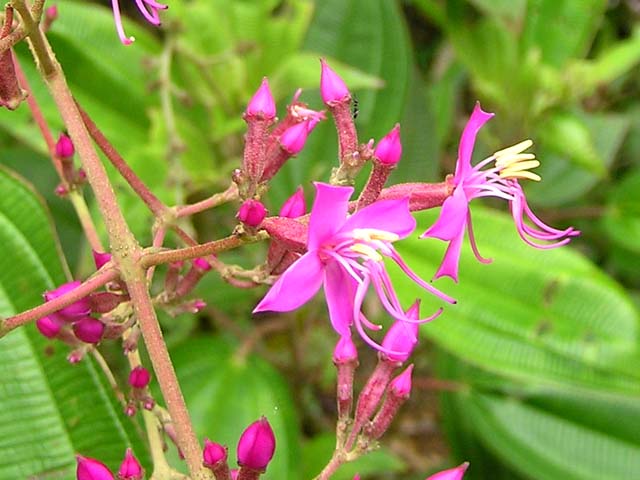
(512, 162)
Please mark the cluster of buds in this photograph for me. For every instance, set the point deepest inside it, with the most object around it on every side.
(256, 447)
(92, 469)
(71, 177)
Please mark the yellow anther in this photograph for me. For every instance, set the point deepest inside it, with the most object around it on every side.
(371, 234)
(367, 251)
(513, 150)
(521, 174)
(508, 160)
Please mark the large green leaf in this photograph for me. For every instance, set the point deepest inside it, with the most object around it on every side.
(225, 393)
(550, 316)
(50, 410)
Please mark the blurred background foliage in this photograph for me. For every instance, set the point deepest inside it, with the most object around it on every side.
(534, 374)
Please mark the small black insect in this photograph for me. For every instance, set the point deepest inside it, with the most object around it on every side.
(354, 107)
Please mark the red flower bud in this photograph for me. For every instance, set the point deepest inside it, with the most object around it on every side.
(294, 206)
(89, 330)
(64, 146)
(257, 445)
(389, 149)
(213, 453)
(139, 377)
(130, 468)
(251, 213)
(91, 469)
(48, 326)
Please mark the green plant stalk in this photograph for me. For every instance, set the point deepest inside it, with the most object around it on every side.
(125, 249)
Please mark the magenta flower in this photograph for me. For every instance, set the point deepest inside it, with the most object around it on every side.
(345, 255)
(332, 87)
(262, 103)
(500, 180)
(149, 10)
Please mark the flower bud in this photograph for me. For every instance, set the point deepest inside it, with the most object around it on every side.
(89, 330)
(100, 259)
(48, 326)
(451, 474)
(389, 149)
(213, 453)
(91, 469)
(294, 206)
(401, 385)
(345, 351)
(11, 95)
(257, 445)
(77, 309)
(64, 147)
(201, 264)
(402, 337)
(252, 213)
(332, 87)
(130, 468)
(294, 138)
(262, 103)
(139, 377)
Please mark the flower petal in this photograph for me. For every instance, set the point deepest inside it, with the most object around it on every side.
(452, 219)
(388, 215)
(295, 286)
(340, 290)
(467, 141)
(328, 213)
(449, 265)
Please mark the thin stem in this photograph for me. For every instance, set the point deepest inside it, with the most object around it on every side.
(102, 277)
(231, 193)
(209, 248)
(336, 461)
(138, 186)
(89, 228)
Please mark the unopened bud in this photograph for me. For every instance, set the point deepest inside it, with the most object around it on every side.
(139, 377)
(294, 206)
(402, 337)
(89, 330)
(295, 137)
(64, 147)
(252, 213)
(451, 474)
(389, 149)
(332, 87)
(49, 327)
(262, 103)
(77, 309)
(257, 445)
(213, 453)
(401, 385)
(130, 468)
(345, 351)
(100, 259)
(91, 469)
(11, 95)
(202, 264)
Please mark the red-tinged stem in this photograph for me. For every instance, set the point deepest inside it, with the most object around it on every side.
(377, 179)
(209, 248)
(125, 249)
(213, 201)
(104, 276)
(138, 186)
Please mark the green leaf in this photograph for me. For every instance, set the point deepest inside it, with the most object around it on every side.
(50, 409)
(317, 452)
(509, 11)
(622, 220)
(561, 30)
(549, 316)
(225, 393)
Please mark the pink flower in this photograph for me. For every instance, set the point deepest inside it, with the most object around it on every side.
(402, 337)
(451, 474)
(500, 180)
(294, 206)
(149, 10)
(345, 255)
(295, 137)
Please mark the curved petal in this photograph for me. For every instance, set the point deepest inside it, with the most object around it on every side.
(295, 286)
(449, 265)
(468, 139)
(388, 215)
(452, 219)
(340, 290)
(328, 213)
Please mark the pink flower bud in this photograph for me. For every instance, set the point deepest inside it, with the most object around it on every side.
(51, 13)
(294, 206)
(139, 377)
(64, 147)
(256, 445)
(332, 87)
(61, 190)
(401, 385)
(451, 474)
(389, 149)
(76, 310)
(100, 259)
(130, 468)
(345, 351)
(294, 138)
(201, 264)
(402, 337)
(89, 330)
(213, 453)
(262, 103)
(49, 327)
(234, 474)
(251, 213)
(91, 469)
